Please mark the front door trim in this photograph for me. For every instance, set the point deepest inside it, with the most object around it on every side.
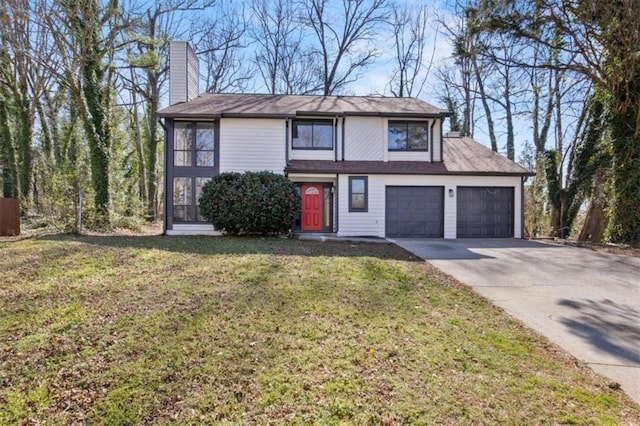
(326, 206)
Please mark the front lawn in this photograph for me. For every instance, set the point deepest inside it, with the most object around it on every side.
(128, 330)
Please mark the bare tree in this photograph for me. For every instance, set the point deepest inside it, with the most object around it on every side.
(151, 30)
(220, 45)
(599, 42)
(87, 41)
(457, 75)
(284, 63)
(409, 25)
(344, 41)
(20, 78)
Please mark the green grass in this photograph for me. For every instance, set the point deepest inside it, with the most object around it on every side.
(129, 330)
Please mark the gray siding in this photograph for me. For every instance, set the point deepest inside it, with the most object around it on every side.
(254, 144)
(365, 138)
(184, 72)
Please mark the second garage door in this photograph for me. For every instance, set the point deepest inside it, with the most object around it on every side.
(415, 211)
(485, 212)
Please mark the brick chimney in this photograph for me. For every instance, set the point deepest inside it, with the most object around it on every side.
(184, 72)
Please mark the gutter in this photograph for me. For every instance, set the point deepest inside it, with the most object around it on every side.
(401, 172)
(257, 115)
(196, 116)
(398, 114)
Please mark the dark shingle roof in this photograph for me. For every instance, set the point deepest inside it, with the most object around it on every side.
(230, 104)
(462, 156)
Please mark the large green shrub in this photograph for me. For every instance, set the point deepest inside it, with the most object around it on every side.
(250, 203)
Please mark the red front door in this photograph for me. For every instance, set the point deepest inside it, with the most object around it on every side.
(312, 207)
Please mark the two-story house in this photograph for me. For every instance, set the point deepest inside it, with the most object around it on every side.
(364, 166)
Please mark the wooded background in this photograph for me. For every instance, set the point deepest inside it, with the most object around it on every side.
(81, 82)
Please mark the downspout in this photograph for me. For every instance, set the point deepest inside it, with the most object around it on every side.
(441, 141)
(522, 179)
(168, 174)
(344, 118)
(335, 138)
(337, 204)
(433, 123)
(166, 164)
(286, 141)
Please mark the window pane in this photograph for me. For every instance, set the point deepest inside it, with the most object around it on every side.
(322, 135)
(183, 138)
(205, 137)
(200, 181)
(182, 214)
(397, 135)
(357, 201)
(327, 207)
(181, 191)
(204, 158)
(418, 136)
(182, 158)
(302, 134)
(358, 193)
(357, 186)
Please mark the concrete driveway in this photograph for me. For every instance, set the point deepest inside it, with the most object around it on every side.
(586, 302)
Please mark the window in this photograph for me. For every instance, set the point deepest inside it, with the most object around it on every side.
(200, 181)
(182, 145)
(408, 136)
(194, 145)
(186, 203)
(312, 134)
(182, 199)
(204, 145)
(358, 194)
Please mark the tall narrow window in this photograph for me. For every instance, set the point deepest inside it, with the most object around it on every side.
(312, 134)
(182, 199)
(358, 189)
(183, 145)
(408, 136)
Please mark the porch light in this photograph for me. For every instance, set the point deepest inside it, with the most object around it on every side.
(450, 192)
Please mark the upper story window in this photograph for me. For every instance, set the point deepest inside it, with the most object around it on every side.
(408, 136)
(193, 145)
(312, 134)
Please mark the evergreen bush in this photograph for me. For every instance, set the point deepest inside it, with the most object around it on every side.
(250, 203)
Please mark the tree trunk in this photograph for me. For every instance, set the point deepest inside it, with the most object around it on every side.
(595, 221)
(625, 208)
(23, 138)
(7, 156)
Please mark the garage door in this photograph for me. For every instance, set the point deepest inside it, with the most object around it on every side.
(485, 212)
(415, 211)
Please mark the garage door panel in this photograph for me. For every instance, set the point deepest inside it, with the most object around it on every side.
(415, 211)
(485, 212)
